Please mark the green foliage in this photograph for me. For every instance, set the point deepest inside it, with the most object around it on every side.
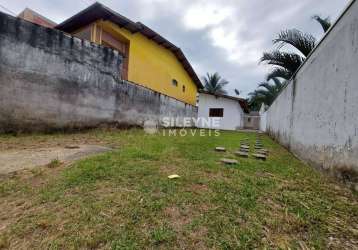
(303, 42)
(285, 63)
(123, 199)
(279, 73)
(54, 163)
(265, 93)
(324, 22)
(214, 83)
(289, 61)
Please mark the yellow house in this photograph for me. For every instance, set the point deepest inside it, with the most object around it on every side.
(149, 59)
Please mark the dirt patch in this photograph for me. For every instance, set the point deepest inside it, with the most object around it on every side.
(15, 160)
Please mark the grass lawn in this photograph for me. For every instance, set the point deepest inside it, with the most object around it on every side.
(123, 199)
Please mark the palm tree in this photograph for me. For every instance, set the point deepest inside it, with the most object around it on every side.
(214, 83)
(288, 61)
(303, 42)
(324, 22)
(265, 93)
(279, 73)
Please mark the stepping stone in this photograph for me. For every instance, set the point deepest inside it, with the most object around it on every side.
(220, 149)
(72, 146)
(260, 156)
(245, 147)
(244, 150)
(229, 161)
(242, 154)
(262, 152)
(258, 147)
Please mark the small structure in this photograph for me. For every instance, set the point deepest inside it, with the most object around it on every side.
(252, 120)
(221, 111)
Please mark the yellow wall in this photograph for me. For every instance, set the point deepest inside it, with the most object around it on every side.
(154, 66)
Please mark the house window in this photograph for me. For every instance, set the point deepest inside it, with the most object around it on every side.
(175, 83)
(249, 119)
(216, 112)
(183, 88)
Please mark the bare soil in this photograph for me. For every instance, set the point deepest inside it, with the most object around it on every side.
(15, 160)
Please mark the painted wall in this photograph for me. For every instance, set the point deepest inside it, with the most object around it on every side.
(263, 118)
(316, 115)
(49, 80)
(252, 121)
(154, 66)
(233, 113)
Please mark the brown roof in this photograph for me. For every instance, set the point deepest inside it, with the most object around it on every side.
(243, 103)
(99, 11)
(34, 17)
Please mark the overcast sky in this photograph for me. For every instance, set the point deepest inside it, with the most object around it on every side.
(225, 36)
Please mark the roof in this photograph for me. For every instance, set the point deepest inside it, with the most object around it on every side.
(32, 16)
(243, 103)
(99, 11)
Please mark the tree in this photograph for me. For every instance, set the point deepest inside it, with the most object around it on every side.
(303, 42)
(285, 63)
(288, 61)
(265, 93)
(324, 22)
(214, 83)
(279, 73)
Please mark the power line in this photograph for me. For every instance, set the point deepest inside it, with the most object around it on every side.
(6, 9)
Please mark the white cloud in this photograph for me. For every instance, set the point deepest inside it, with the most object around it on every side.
(227, 36)
(203, 15)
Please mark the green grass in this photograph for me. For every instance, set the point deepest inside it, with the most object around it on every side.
(124, 200)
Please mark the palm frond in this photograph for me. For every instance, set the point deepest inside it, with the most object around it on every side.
(289, 61)
(303, 42)
(324, 22)
(214, 83)
(279, 73)
(265, 93)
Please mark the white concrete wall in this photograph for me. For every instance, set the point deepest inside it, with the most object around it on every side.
(233, 113)
(263, 118)
(316, 115)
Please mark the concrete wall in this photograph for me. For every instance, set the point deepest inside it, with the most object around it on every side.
(252, 121)
(263, 118)
(233, 113)
(49, 80)
(316, 115)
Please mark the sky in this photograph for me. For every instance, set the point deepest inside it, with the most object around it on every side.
(224, 36)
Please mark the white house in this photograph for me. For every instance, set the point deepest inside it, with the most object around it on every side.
(221, 111)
